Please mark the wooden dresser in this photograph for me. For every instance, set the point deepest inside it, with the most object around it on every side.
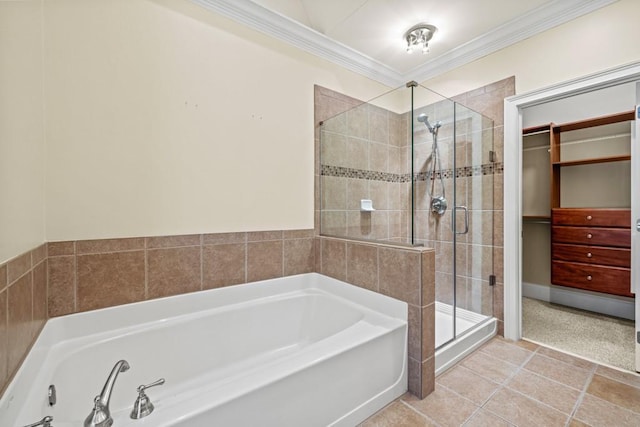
(590, 249)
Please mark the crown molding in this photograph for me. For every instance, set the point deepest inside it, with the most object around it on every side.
(253, 15)
(541, 19)
(283, 28)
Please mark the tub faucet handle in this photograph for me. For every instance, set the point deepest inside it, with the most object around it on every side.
(143, 406)
(45, 422)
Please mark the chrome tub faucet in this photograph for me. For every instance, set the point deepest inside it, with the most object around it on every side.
(100, 415)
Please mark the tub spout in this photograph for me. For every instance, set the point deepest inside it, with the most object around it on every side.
(100, 415)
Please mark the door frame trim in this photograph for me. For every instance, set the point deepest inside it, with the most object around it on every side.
(513, 175)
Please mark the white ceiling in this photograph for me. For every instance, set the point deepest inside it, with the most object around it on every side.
(366, 36)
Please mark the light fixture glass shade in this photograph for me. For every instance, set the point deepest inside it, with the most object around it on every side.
(419, 35)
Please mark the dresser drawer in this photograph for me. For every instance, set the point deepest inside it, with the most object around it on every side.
(591, 254)
(591, 217)
(610, 280)
(593, 236)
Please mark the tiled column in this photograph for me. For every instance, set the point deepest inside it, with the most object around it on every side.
(401, 272)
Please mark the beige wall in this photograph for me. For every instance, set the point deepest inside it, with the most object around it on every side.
(163, 118)
(21, 128)
(600, 40)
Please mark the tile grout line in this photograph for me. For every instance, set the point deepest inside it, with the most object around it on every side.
(419, 413)
(583, 392)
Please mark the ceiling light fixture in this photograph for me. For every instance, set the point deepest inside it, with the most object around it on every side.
(419, 36)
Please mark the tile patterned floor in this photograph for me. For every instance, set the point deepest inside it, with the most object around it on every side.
(507, 383)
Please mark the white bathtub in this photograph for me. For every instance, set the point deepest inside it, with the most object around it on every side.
(303, 350)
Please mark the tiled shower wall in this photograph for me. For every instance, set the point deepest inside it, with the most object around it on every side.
(480, 183)
(23, 308)
(362, 155)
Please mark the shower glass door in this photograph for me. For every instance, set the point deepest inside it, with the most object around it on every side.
(454, 210)
(473, 219)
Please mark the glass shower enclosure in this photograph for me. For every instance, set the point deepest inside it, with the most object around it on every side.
(412, 167)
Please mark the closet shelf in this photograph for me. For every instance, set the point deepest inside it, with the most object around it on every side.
(593, 160)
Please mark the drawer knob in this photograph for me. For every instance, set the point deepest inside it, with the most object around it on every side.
(589, 217)
(589, 235)
(589, 278)
(589, 255)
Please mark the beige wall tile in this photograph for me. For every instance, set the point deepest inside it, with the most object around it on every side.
(414, 377)
(3, 276)
(358, 121)
(428, 277)
(20, 315)
(400, 274)
(40, 314)
(357, 153)
(428, 331)
(4, 340)
(39, 254)
(257, 236)
(362, 265)
(109, 279)
(264, 260)
(61, 248)
(173, 271)
(62, 285)
(334, 193)
(299, 256)
(223, 265)
(223, 238)
(109, 245)
(428, 376)
(298, 234)
(334, 258)
(173, 241)
(414, 334)
(18, 266)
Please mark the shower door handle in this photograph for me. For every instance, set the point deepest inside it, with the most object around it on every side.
(466, 219)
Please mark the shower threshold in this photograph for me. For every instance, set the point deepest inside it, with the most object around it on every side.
(473, 330)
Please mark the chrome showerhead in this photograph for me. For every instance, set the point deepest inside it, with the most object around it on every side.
(423, 118)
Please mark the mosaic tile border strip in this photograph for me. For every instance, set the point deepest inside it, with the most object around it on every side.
(461, 172)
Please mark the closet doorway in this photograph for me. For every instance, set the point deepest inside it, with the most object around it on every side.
(572, 190)
(576, 241)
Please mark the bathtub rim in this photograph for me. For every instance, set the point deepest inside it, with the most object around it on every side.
(75, 325)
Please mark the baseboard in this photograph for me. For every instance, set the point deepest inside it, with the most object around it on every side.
(610, 305)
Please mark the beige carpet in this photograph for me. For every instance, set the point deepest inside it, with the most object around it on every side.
(605, 339)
